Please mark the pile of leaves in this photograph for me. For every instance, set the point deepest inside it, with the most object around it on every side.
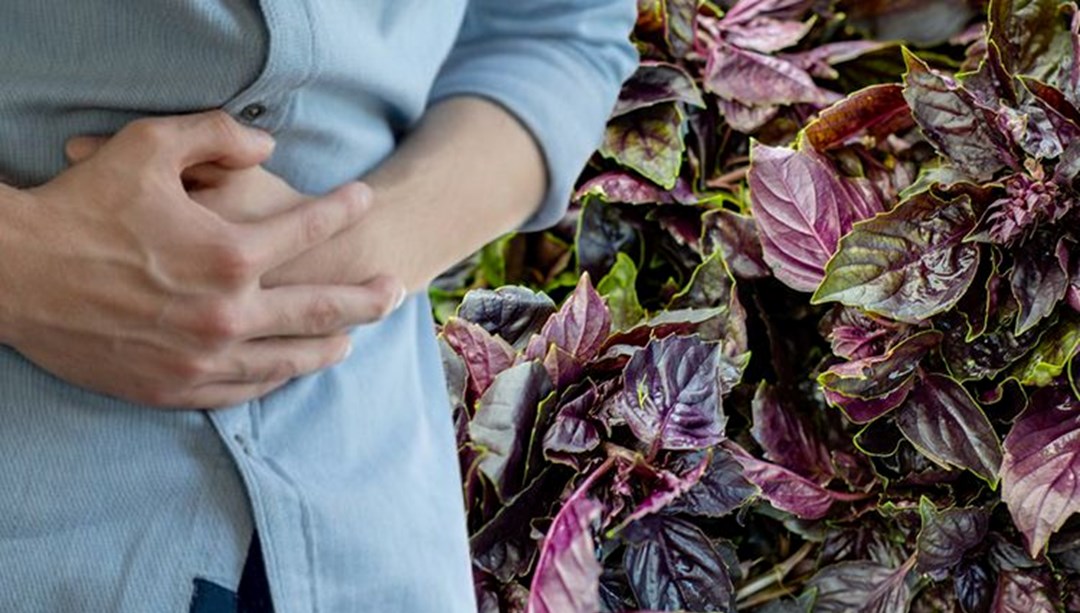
(828, 360)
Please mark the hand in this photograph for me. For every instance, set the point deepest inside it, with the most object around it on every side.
(244, 195)
(122, 284)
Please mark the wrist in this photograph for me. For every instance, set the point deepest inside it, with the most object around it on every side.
(14, 206)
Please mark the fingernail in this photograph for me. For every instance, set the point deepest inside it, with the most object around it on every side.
(265, 138)
(348, 351)
(402, 294)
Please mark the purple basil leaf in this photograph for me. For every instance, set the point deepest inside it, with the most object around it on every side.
(567, 577)
(820, 60)
(755, 79)
(1042, 461)
(617, 186)
(745, 118)
(926, 22)
(669, 488)
(947, 535)
(784, 489)
(854, 335)
(671, 394)
(1040, 279)
(802, 207)
(649, 141)
(960, 128)
(802, 604)
(877, 111)
(1062, 114)
(735, 236)
(514, 313)
(503, 546)
(877, 376)
(747, 10)
(721, 490)
(563, 368)
(866, 410)
(485, 355)
(861, 587)
(574, 430)
(603, 231)
(457, 375)
(1025, 592)
(989, 354)
(622, 345)
(868, 539)
(654, 83)
(945, 424)
(676, 567)
(974, 587)
(908, 264)
(1031, 34)
(765, 34)
(788, 436)
(504, 418)
(581, 325)
(681, 33)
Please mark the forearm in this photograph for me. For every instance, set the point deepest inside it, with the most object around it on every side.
(469, 173)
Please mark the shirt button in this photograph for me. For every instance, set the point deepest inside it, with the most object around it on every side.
(252, 112)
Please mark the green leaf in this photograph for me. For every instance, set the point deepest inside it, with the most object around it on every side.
(908, 264)
(619, 291)
(1056, 348)
(650, 141)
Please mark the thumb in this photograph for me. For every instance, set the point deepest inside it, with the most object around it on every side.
(183, 141)
(79, 148)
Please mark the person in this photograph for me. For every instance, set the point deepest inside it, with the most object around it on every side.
(219, 217)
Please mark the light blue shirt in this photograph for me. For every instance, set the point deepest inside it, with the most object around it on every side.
(350, 475)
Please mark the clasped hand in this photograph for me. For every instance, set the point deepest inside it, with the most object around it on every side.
(122, 281)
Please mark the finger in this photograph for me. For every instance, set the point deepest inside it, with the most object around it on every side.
(80, 148)
(202, 176)
(297, 310)
(224, 395)
(280, 238)
(182, 141)
(271, 360)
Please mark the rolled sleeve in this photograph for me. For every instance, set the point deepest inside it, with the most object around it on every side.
(557, 66)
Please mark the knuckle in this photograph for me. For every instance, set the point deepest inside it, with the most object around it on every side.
(324, 313)
(153, 132)
(190, 370)
(316, 224)
(282, 369)
(223, 125)
(220, 322)
(231, 264)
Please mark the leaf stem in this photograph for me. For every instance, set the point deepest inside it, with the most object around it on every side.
(745, 597)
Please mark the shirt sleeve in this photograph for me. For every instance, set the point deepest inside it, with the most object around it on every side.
(555, 65)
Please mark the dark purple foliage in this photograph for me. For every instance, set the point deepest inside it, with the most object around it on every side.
(671, 394)
(944, 423)
(908, 264)
(1040, 478)
(673, 566)
(831, 275)
(803, 207)
(567, 577)
(947, 535)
